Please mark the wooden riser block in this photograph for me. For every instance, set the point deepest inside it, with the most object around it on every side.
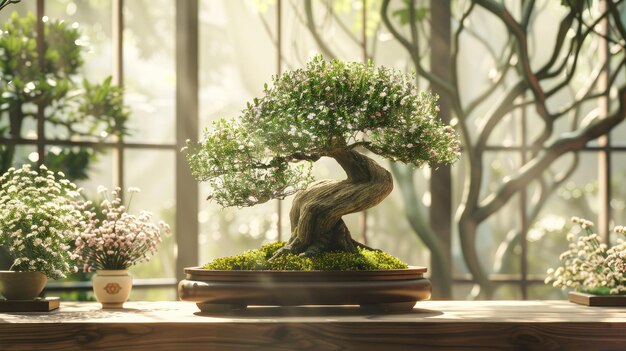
(39, 305)
(597, 300)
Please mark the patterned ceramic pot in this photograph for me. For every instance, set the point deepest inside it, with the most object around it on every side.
(112, 287)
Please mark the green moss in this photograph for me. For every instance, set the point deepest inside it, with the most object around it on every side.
(601, 290)
(249, 260)
(329, 261)
(270, 249)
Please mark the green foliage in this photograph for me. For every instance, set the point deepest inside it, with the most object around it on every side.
(22, 75)
(313, 112)
(329, 261)
(74, 106)
(104, 105)
(578, 5)
(404, 14)
(75, 161)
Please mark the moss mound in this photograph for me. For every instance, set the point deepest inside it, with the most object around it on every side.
(331, 261)
(600, 290)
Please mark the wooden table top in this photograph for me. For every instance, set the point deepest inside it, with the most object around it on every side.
(480, 325)
(424, 311)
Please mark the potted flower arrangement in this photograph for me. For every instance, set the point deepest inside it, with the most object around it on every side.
(112, 244)
(595, 271)
(40, 215)
(328, 109)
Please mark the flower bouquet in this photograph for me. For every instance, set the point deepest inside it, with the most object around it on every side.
(114, 240)
(40, 215)
(594, 270)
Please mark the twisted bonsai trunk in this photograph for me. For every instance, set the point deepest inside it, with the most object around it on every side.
(316, 224)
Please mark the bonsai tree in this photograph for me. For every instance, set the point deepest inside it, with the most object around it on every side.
(329, 109)
(73, 106)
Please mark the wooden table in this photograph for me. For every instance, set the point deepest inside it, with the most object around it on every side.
(481, 325)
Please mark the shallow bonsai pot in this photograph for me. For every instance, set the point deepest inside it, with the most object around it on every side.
(596, 300)
(381, 290)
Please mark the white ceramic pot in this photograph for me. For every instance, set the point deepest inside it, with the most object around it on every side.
(112, 287)
(21, 285)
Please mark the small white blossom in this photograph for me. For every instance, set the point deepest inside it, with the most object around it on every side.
(589, 264)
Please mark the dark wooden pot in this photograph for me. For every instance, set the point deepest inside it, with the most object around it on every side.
(21, 285)
(384, 290)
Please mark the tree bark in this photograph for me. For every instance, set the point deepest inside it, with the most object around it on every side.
(316, 214)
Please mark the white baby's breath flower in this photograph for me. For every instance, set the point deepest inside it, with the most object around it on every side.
(591, 264)
(46, 204)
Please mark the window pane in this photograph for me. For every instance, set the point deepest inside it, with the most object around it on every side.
(575, 197)
(94, 21)
(149, 70)
(153, 172)
(28, 128)
(19, 154)
(153, 294)
(336, 33)
(85, 165)
(618, 188)
(462, 291)
(546, 292)
(507, 292)
(231, 32)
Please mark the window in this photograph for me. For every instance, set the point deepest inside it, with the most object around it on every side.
(186, 63)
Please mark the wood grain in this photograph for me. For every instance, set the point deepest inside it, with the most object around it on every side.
(453, 325)
(314, 336)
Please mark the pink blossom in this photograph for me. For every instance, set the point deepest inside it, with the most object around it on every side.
(120, 241)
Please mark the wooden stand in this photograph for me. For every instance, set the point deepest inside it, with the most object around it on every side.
(597, 300)
(38, 305)
(376, 291)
